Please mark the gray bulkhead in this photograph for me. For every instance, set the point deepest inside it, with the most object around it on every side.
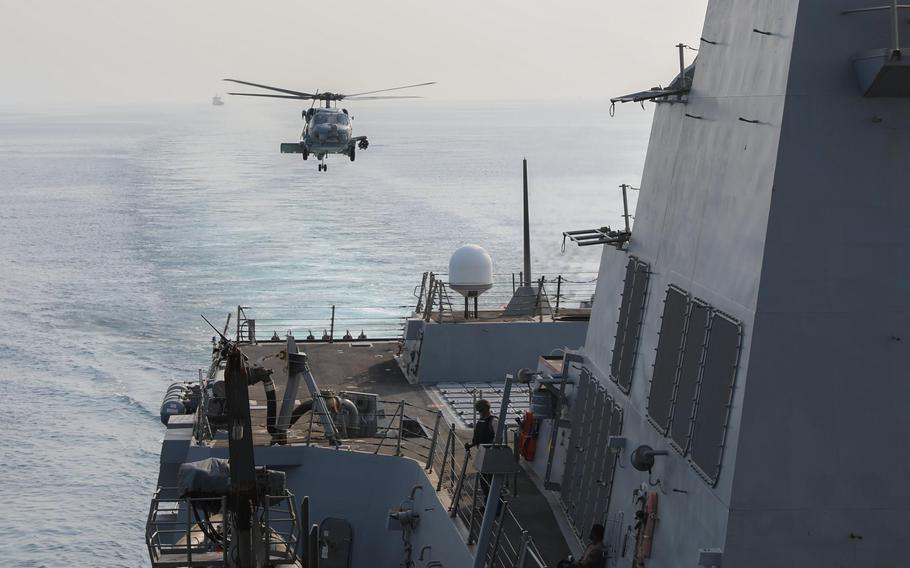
(821, 476)
(776, 196)
(360, 488)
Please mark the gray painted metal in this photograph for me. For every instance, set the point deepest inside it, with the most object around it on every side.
(622, 321)
(526, 226)
(749, 209)
(686, 391)
(485, 351)
(298, 365)
(290, 391)
(587, 482)
(668, 358)
(882, 74)
(629, 328)
(715, 393)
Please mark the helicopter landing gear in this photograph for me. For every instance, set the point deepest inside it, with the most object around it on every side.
(352, 152)
(305, 154)
(323, 167)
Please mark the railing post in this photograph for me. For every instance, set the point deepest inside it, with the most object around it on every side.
(539, 294)
(502, 518)
(423, 286)
(267, 533)
(428, 305)
(478, 479)
(332, 326)
(400, 427)
(428, 308)
(224, 549)
(439, 287)
(460, 484)
(558, 291)
(516, 435)
(189, 538)
(445, 458)
(432, 452)
(625, 187)
(385, 434)
(522, 550)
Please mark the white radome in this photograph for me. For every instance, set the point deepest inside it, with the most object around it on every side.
(470, 271)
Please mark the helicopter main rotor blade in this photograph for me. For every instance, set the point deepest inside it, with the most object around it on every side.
(280, 90)
(392, 89)
(296, 98)
(379, 98)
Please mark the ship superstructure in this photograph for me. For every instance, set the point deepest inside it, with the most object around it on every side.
(738, 400)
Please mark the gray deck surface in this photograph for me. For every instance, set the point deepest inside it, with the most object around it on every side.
(370, 367)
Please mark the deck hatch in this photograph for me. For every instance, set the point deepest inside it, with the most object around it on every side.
(684, 399)
(667, 360)
(628, 327)
(715, 395)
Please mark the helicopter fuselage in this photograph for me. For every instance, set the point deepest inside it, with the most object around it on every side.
(327, 131)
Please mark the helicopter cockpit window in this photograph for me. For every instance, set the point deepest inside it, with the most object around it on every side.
(341, 119)
(322, 118)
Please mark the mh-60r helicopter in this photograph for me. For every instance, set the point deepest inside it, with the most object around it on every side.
(328, 130)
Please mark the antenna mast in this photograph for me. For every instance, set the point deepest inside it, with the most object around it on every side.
(527, 230)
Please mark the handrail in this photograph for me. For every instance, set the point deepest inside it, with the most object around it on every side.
(575, 289)
(431, 298)
(177, 533)
(467, 491)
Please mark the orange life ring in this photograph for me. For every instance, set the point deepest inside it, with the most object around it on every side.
(527, 440)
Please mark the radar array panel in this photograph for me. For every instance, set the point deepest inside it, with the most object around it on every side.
(669, 348)
(588, 478)
(694, 374)
(716, 395)
(687, 382)
(628, 327)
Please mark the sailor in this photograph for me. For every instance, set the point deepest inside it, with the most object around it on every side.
(595, 554)
(485, 427)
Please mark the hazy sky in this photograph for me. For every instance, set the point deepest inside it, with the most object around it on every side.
(103, 51)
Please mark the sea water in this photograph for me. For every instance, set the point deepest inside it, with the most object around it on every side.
(120, 226)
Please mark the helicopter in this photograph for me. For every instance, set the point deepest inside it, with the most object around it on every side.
(327, 130)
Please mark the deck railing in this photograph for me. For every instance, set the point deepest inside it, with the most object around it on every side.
(395, 428)
(195, 531)
(437, 446)
(431, 298)
(511, 545)
(556, 293)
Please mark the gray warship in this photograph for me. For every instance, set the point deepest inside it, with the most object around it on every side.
(733, 396)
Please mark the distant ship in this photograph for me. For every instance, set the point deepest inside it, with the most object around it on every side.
(216, 101)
